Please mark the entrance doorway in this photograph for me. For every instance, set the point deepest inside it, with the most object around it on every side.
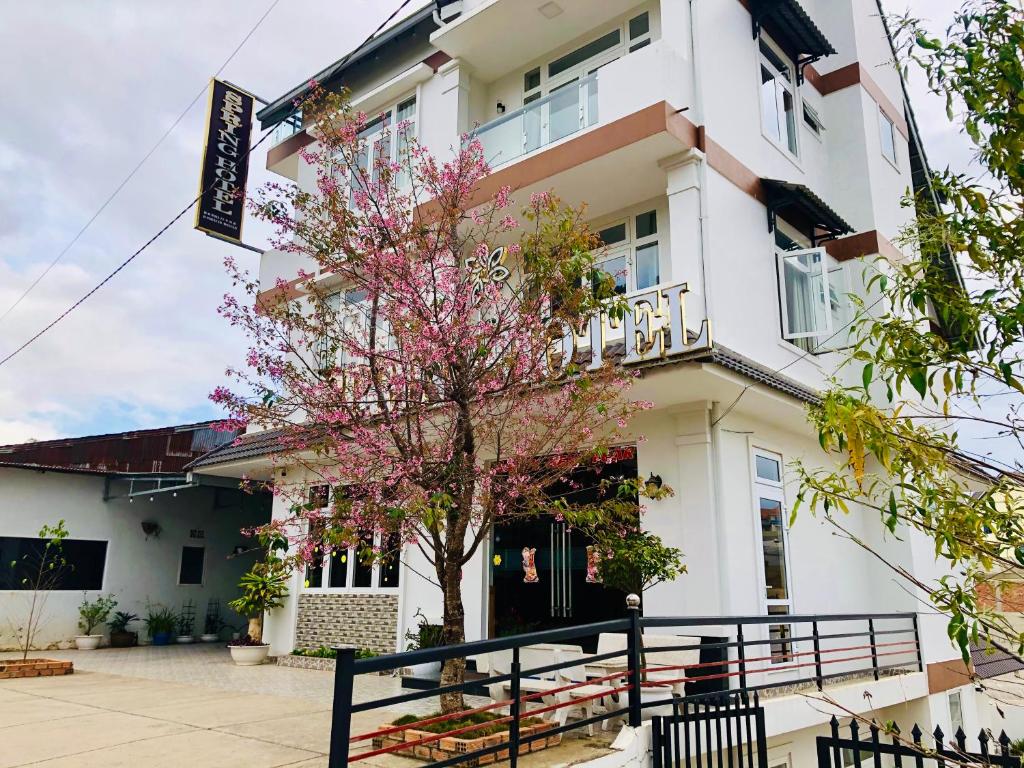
(558, 593)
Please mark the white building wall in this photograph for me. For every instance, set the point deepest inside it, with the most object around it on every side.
(139, 570)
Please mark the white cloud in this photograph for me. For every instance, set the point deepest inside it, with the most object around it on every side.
(91, 88)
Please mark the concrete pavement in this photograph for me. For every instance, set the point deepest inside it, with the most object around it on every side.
(221, 716)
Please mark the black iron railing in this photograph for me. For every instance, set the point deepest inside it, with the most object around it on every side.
(636, 671)
(867, 744)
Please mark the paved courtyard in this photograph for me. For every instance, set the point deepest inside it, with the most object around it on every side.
(190, 706)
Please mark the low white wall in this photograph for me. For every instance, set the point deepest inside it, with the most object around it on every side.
(138, 569)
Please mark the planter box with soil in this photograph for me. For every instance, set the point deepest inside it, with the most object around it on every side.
(446, 747)
(17, 668)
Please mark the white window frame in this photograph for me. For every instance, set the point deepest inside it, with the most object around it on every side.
(950, 696)
(815, 125)
(887, 124)
(835, 294)
(765, 488)
(350, 560)
(787, 83)
(374, 132)
(632, 243)
(550, 84)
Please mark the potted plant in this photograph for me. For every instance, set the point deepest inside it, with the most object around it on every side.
(186, 623)
(211, 628)
(91, 615)
(120, 637)
(263, 589)
(160, 623)
(425, 635)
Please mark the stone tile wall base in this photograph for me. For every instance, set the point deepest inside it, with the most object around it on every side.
(361, 620)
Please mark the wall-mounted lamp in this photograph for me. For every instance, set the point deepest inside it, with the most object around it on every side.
(240, 549)
(501, 108)
(653, 484)
(150, 528)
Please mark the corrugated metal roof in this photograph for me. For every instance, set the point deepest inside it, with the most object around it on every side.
(790, 21)
(165, 450)
(788, 194)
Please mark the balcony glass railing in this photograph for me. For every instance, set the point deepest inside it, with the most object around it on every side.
(561, 113)
(286, 128)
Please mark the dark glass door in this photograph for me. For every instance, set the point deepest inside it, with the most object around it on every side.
(539, 572)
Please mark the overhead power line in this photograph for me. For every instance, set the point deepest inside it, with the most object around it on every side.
(192, 203)
(131, 174)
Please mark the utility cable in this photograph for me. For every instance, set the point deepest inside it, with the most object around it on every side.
(131, 174)
(295, 108)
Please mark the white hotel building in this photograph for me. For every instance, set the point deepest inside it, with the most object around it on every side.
(752, 149)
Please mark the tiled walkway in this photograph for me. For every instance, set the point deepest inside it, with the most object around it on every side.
(190, 706)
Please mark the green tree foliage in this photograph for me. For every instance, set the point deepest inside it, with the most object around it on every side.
(41, 570)
(897, 434)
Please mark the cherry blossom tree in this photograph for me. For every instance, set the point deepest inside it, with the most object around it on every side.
(417, 364)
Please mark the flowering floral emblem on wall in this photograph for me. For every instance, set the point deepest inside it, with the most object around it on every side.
(487, 269)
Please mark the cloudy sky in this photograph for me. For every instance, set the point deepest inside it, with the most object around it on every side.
(90, 86)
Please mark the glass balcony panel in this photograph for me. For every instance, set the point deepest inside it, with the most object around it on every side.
(562, 113)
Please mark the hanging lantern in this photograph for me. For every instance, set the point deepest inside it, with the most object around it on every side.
(529, 566)
(593, 559)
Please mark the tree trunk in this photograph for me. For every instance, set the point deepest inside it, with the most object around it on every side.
(454, 670)
(256, 629)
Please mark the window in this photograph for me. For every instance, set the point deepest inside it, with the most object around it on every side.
(635, 34)
(813, 120)
(354, 308)
(771, 508)
(85, 563)
(778, 97)
(632, 254)
(814, 296)
(639, 32)
(190, 571)
(385, 138)
(887, 133)
(956, 713)
(584, 53)
(347, 569)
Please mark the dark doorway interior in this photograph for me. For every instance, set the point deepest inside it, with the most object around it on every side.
(561, 595)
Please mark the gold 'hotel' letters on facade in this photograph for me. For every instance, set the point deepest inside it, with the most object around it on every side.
(653, 328)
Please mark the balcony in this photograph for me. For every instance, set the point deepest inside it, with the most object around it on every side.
(617, 90)
(541, 123)
(286, 129)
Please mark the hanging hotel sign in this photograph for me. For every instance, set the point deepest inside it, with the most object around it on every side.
(225, 162)
(652, 328)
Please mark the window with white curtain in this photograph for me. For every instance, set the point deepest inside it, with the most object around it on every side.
(778, 96)
(813, 296)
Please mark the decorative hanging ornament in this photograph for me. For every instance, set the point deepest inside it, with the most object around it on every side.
(593, 560)
(491, 270)
(529, 566)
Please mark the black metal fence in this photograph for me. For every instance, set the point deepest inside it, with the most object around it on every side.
(724, 731)
(891, 747)
(645, 674)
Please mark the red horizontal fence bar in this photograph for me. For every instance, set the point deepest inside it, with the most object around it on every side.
(776, 668)
(484, 708)
(727, 662)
